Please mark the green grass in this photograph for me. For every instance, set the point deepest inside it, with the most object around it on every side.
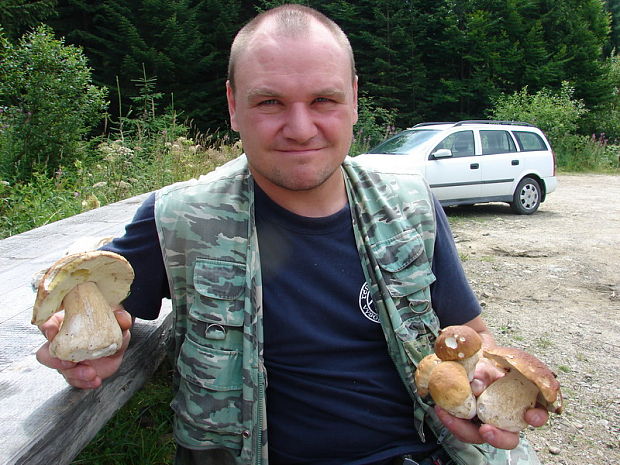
(140, 433)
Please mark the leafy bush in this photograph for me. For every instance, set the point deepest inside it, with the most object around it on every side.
(47, 105)
(587, 153)
(557, 113)
(374, 125)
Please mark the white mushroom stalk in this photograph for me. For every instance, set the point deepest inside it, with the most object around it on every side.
(88, 286)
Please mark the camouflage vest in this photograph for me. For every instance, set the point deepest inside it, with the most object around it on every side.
(210, 247)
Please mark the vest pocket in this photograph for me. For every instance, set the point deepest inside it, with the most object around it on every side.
(215, 316)
(210, 390)
(404, 264)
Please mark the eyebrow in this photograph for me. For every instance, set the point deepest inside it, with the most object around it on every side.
(261, 92)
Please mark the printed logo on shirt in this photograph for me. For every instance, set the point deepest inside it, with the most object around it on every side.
(367, 306)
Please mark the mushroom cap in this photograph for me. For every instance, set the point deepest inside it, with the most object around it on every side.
(423, 373)
(111, 272)
(450, 389)
(510, 358)
(457, 343)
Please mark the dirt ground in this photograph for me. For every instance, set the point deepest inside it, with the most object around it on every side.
(550, 284)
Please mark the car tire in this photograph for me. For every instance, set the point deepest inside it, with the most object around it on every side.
(527, 196)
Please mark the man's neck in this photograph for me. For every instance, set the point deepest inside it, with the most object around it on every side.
(324, 200)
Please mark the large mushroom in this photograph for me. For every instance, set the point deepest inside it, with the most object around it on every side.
(527, 381)
(450, 389)
(88, 285)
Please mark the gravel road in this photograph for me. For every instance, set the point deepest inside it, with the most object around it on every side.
(550, 284)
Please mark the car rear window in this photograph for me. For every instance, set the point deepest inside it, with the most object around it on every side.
(530, 141)
(496, 142)
(404, 142)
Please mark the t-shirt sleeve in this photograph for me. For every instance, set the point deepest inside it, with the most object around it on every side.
(140, 246)
(452, 297)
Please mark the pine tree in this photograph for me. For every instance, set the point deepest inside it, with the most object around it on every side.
(17, 16)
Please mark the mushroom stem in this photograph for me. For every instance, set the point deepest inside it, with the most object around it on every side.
(89, 329)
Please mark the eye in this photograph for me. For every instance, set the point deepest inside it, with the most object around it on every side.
(267, 102)
(323, 100)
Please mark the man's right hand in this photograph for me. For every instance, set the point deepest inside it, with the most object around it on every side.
(88, 374)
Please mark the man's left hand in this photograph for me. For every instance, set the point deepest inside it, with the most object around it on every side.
(469, 431)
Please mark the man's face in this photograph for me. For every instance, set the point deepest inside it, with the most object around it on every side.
(294, 105)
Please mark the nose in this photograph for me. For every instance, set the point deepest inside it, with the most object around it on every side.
(299, 125)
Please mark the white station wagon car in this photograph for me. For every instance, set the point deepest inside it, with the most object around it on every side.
(474, 161)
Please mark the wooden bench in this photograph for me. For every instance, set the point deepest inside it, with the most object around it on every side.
(42, 419)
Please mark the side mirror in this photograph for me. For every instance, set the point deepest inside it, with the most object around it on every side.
(442, 153)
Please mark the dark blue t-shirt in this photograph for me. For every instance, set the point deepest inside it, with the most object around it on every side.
(333, 395)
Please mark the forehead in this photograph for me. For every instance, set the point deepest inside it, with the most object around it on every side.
(312, 54)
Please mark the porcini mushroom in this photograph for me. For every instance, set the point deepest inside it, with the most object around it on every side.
(460, 344)
(88, 285)
(526, 382)
(423, 373)
(450, 389)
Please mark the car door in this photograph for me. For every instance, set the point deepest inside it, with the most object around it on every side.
(457, 176)
(500, 163)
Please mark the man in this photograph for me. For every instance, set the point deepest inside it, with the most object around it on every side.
(290, 268)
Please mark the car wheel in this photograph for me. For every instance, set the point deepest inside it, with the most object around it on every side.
(526, 198)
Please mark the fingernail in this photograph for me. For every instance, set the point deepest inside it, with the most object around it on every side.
(488, 436)
(66, 364)
(477, 387)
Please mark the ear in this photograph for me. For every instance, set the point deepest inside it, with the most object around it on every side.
(232, 108)
(355, 114)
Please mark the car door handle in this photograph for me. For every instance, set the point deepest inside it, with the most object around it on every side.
(474, 166)
(514, 162)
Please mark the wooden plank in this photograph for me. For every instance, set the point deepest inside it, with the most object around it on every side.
(42, 419)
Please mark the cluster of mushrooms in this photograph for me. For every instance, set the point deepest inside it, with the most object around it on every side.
(446, 375)
(88, 286)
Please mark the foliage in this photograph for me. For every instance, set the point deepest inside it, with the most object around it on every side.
(18, 15)
(557, 113)
(605, 118)
(141, 432)
(374, 124)
(587, 153)
(48, 105)
(114, 170)
(427, 60)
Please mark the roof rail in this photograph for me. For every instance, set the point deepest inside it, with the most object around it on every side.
(486, 121)
(432, 123)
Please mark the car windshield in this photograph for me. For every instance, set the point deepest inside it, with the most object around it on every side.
(404, 142)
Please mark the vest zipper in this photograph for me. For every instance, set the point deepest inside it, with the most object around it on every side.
(261, 416)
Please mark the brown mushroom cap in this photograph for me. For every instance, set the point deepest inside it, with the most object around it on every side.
(450, 389)
(457, 343)
(423, 373)
(534, 370)
(111, 272)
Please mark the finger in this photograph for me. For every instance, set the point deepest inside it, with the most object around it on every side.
(499, 438)
(51, 327)
(82, 376)
(487, 371)
(464, 430)
(45, 358)
(123, 317)
(536, 416)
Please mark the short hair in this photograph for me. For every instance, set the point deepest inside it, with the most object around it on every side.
(291, 20)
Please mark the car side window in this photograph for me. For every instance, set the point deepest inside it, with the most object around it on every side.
(496, 142)
(461, 144)
(530, 141)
